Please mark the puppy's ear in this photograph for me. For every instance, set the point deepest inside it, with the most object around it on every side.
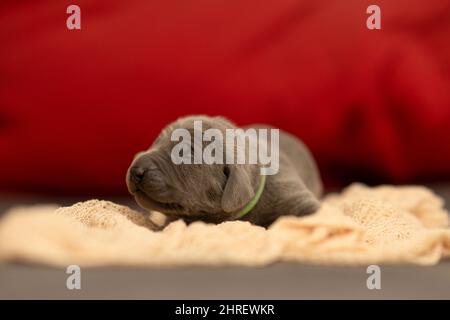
(240, 187)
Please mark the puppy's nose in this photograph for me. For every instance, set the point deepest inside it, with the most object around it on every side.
(137, 174)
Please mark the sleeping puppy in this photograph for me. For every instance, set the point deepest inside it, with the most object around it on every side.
(220, 192)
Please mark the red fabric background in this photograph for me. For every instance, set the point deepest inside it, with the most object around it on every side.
(75, 106)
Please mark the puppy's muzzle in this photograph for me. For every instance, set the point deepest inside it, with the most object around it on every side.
(137, 175)
(145, 177)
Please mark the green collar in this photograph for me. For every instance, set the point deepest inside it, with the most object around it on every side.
(252, 203)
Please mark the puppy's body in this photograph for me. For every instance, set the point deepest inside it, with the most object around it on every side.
(216, 192)
(294, 190)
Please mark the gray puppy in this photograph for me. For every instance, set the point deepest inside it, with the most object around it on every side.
(220, 192)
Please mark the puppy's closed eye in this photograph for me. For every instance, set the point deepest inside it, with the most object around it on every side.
(226, 171)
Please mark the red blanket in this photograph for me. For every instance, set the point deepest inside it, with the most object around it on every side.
(75, 106)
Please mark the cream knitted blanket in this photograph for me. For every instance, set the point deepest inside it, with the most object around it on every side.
(361, 225)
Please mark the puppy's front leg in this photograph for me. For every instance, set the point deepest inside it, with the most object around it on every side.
(169, 220)
(159, 221)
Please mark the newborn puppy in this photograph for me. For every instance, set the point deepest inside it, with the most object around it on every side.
(220, 192)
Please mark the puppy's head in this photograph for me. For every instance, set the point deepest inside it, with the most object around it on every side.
(208, 192)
